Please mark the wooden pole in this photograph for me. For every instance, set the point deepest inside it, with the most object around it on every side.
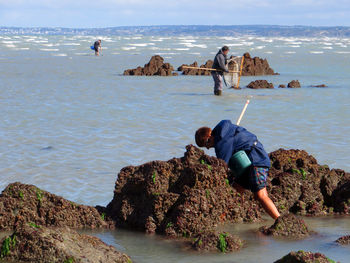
(240, 72)
(210, 69)
(243, 111)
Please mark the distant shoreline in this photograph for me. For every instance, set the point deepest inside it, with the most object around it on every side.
(193, 30)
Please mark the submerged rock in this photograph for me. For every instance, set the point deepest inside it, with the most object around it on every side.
(294, 84)
(319, 86)
(155, 67)
(22, 204)
(287, 226)
(32, 243)
(181, 197)
(281, 86)
(344, 240)
(211, 241)
(260, 84)
(304, 257)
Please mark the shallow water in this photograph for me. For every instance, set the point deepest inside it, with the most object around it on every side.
(70, 121)
(144, 248)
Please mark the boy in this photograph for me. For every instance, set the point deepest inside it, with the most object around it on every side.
(227, 139)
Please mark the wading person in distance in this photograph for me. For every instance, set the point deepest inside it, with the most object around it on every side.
(220, 64)
(97, 47)
(227, 139)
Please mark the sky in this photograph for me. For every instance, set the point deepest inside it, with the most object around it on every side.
(111, 13)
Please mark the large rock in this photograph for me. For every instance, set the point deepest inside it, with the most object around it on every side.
(155, 66)
(287, 225)
(211, 241)
(251, 67)
(181, 197)
(304, 257)
(298, 184)
(256, 66)
(260, 84)
(196, 72)
(22, 204)
(36, 244)
(294, 84)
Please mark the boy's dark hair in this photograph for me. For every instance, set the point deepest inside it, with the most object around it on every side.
(202, 135)
(225, 48)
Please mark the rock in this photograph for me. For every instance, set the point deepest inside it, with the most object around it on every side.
(282, 86)
(211, 241)
(298, 184)
(256, 66)
(319, 86)
(22, 204)
(181, 197)
(344, 240)
(304, 257)
(287, 225)
(196, 72)
(260, 84)
(155, 67)
(32, 243)
(294, 84)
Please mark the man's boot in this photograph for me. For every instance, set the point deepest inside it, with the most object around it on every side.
(218, 92)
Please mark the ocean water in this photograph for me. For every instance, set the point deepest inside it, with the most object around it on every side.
(71, 121)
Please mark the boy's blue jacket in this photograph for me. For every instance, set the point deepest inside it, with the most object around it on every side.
(230, 138)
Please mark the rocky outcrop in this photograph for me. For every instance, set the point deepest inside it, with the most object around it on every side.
(260, 84)
(319, 86)
(281, 86)
(181, 197)
(33, 243)
(287, 225)
(294, 84)
(344, 240)
(155, 67)
(298, 184)
(251, 67)
(211, 241)
(304, 257)
(22, 204)
(196, 72)
(256, 66)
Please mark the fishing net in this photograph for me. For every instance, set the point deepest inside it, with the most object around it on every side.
(232, 78)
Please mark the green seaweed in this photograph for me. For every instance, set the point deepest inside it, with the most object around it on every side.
(227, 182)
(185, 234)
(20, 193)
(33, 225)
(170, 224)
(222, 244)
(69, 260)
(39, 194)
(207, 193)
(295, 171)
(103, 216)
(8, 244)
(154, 175)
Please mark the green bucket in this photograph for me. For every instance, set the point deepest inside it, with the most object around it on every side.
(239, 163)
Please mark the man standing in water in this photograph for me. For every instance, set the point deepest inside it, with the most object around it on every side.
(220, 64)
(227, 139)
(97, 47)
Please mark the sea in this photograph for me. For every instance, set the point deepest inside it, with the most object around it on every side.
(71, 120)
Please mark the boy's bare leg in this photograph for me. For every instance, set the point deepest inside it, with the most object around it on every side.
(267, 203)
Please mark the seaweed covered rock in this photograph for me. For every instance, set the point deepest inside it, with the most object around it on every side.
(344, 240)
(256, 66)
(260, 84)
(22, 203)
(304, 257)
(196, 72)
(294, 84)
(181, 197)
(212, 241)
(298, 184)
(155, 67)
(287, 225)
(32, 243)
